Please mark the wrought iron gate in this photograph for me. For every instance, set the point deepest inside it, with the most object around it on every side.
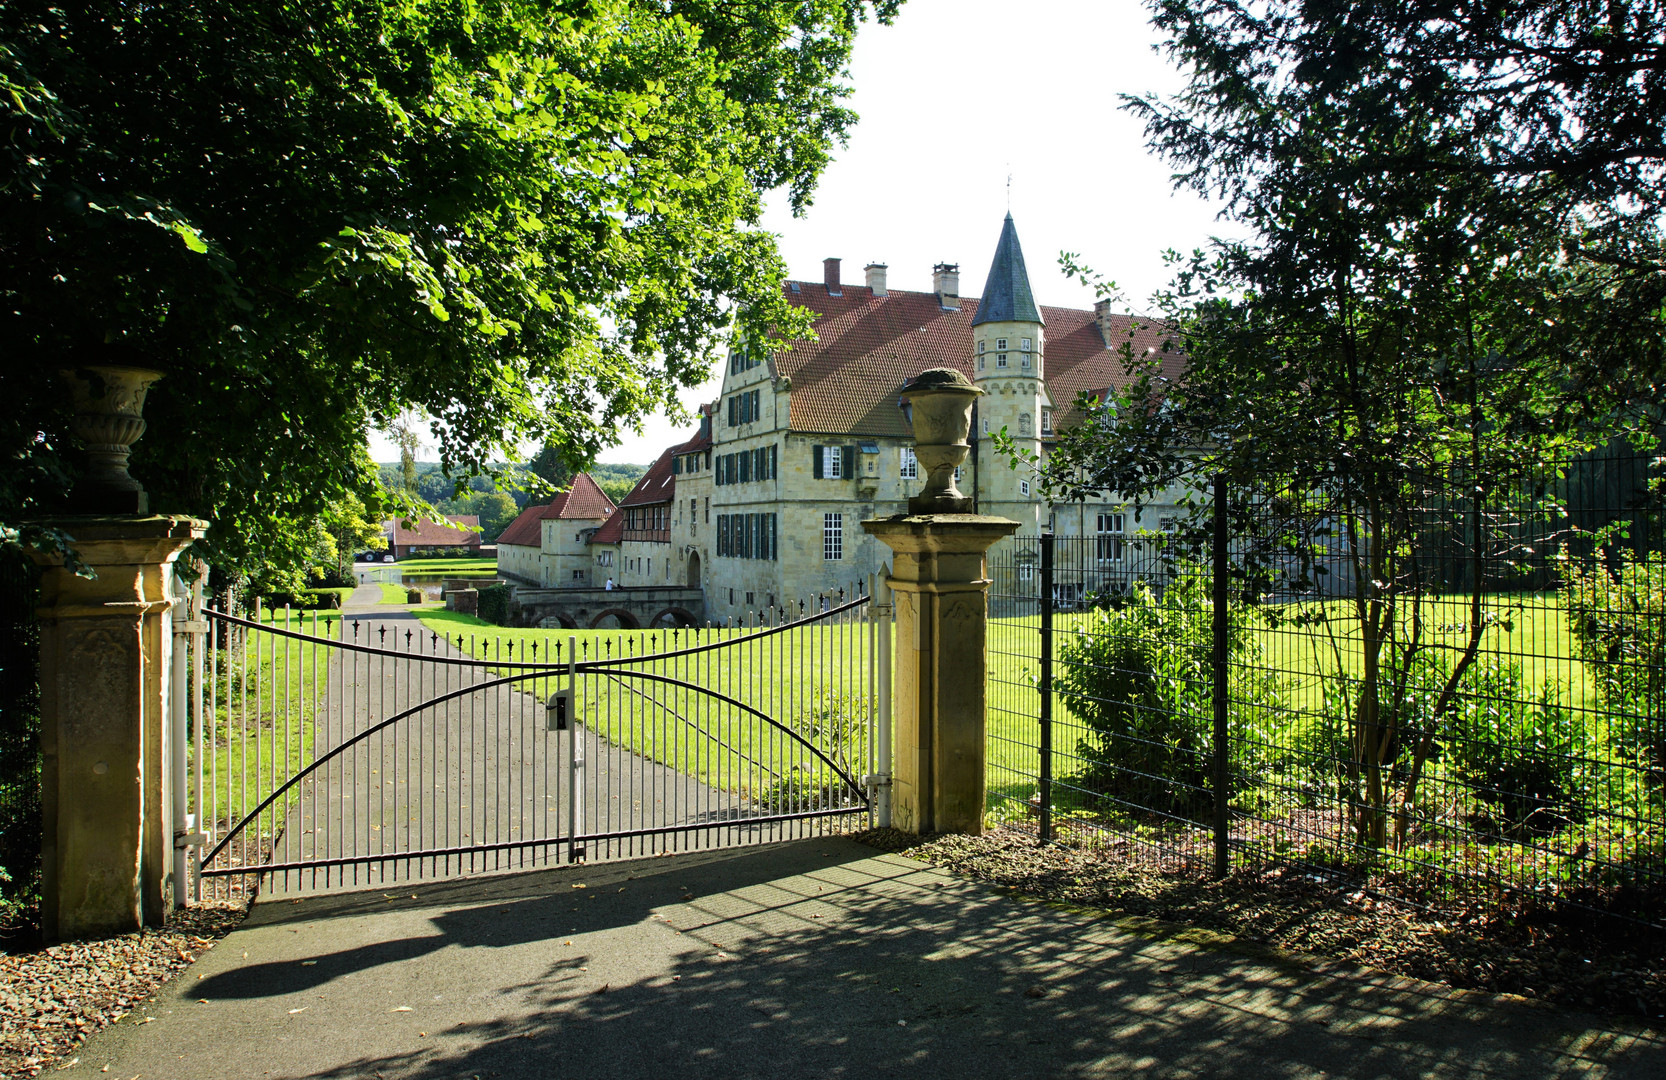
(355, 750)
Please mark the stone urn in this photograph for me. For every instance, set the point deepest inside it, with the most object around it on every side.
(109, 419)
(939, 404)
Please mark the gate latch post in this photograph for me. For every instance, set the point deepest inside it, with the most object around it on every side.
(555, 711)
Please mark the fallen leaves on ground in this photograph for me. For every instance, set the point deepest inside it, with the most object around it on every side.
(1604, 965)
(52, 998)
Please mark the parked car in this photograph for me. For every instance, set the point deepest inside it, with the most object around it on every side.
(387, 558)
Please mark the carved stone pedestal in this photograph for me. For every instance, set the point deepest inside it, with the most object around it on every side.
(106, 644)
(937, 577)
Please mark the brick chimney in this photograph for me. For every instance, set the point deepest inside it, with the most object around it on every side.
(945, 281)
(876, 277)
(1102, 316)
(830, 276)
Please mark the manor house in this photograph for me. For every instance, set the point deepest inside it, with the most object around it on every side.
(762, 507)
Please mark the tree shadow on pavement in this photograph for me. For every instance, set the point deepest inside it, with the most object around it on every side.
(809, 959)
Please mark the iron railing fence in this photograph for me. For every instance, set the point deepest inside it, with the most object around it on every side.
(341, 749)
(1452, 691)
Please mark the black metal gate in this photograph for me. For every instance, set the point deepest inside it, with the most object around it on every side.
(361, 750)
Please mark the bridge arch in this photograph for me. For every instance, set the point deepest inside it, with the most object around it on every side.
(675, 616)
(558, 620)
(626, 620)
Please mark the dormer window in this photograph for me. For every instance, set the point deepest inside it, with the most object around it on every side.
(1046, 421)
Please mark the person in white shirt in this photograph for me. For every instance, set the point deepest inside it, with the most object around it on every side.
(609, 586)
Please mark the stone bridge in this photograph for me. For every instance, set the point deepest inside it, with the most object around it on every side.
(580, 609)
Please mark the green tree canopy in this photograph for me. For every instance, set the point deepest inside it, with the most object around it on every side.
(1444, 285)
(527, 220)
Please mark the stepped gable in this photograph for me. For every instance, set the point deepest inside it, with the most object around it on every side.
(846, 380)
(583, 500)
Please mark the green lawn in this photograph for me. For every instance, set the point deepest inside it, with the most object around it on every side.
(813, 685)
(264, 699)
(457, 567)
(391, 593)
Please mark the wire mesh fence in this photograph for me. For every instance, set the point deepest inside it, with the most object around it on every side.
(1451, 690)
(20, 753)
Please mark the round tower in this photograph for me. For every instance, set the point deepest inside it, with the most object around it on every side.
(1009, 365)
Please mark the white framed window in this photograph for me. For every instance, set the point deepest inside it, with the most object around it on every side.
(1024, 344)
(832, 537)
(1024, 488)
(1108, 545)
(1046, 421)
(982, 345)
(832, 462)
(1169, 523)
(1026, 571)
(1001, 359)
(578, 575)
(980, 361)
(986, 426)
(909, 467)
(1000, 344)
(1023, 360)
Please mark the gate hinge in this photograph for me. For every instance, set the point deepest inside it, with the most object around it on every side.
(191, 626)
(190, 839)
(876, 780)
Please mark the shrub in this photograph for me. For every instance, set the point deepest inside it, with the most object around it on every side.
(494, 604)
(414, 596)
(836, 725)
(1525, 759)
(1618, 617)
(1138, 676)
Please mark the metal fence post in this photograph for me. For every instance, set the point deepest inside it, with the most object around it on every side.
(575, 758)
(1046, 750)
(1218, 665)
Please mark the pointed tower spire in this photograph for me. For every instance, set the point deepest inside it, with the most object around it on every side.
(1006, 295)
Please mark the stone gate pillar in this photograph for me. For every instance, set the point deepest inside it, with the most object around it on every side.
(106, 646)
(937, 578)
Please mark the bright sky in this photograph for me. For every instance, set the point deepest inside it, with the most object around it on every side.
(953, 98)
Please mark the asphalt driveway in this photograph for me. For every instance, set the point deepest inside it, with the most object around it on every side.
(808, 959)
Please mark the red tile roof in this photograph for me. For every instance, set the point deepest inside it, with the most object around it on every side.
(611, 532)
(846, 381)
(658, 484)
(425, 533)
(583, 501)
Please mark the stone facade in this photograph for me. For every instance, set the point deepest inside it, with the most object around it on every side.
(805, 444)
(548, 546)
(762, 508)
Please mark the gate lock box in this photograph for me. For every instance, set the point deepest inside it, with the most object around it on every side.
(555, 712)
